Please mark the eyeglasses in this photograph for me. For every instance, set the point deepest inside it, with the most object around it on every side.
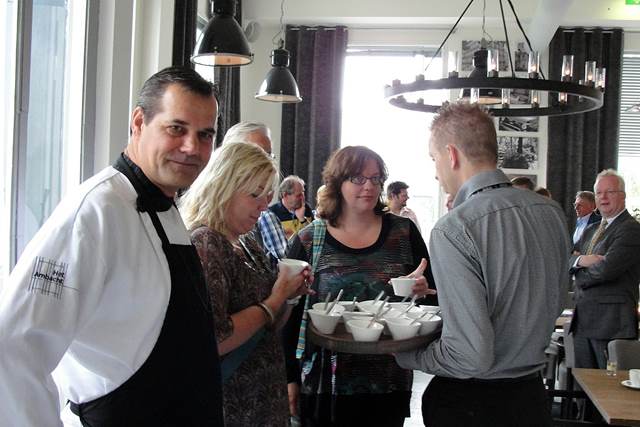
(609, 193)
(361, 179)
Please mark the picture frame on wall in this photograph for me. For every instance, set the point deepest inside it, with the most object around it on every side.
(470, 46)
(518, 152)
(519, 124)
(520, 96)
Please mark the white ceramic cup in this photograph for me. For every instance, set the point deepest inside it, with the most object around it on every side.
(402, 286)
(634, 377)
(293, 266)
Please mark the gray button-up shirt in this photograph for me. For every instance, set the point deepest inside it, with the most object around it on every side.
(499, 258)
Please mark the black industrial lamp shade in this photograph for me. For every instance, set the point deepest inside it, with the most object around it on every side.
(223, 42)
(279, 84)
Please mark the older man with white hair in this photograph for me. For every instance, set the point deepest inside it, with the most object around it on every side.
(606, 265)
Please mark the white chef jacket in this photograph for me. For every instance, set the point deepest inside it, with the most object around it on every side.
(85, 304)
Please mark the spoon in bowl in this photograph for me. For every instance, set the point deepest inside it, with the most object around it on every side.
(333, 304)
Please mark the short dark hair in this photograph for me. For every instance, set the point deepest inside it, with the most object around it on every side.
(343, 164)
(544, 192)
(155, 86)
(394, 188)
(523, 181)
(586, 195)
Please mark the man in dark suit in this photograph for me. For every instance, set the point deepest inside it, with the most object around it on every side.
(607, 273)
(584, 206)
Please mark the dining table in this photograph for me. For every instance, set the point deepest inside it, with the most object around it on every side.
(618, 405)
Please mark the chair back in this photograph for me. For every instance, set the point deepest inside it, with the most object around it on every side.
(626, 353)
(567, 338)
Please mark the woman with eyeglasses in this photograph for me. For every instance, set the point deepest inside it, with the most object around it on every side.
(248, 300)
(363, 248)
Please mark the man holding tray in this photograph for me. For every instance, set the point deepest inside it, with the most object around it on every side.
(499, 259)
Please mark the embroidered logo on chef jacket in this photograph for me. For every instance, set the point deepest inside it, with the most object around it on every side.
(48, 277)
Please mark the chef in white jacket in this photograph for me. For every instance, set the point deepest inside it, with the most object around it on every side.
(107, 304)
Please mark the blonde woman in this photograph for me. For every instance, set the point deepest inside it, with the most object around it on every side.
(249, 302)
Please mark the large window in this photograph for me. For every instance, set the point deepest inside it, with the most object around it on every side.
(629, 150)
(44, 66)
(401, 137)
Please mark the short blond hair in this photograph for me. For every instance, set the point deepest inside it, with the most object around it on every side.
(468, 127)
(237, 167)
(610, 172)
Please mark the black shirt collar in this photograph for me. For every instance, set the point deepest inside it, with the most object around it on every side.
(150, 197)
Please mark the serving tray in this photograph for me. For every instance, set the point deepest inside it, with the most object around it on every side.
(343, 342)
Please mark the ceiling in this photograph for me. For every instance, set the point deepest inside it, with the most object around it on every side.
(539, 17)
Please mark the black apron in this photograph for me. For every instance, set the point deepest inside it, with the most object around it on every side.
(179, 384)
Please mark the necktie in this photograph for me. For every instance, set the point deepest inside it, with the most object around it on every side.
(596, 236)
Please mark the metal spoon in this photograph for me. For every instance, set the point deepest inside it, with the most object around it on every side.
(411, 305)
(433, 315)
(378, 297)
(333, 304)
(418, 318)
(353, 303)
(326, 301)
(378, 313)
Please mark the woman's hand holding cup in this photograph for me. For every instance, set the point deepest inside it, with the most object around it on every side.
(294, 277)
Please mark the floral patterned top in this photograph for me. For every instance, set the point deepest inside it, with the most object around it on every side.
(256, 393)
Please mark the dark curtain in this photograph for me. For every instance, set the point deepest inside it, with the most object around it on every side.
(185, 20)
(311, 128)
(228, 81)
(581, 145)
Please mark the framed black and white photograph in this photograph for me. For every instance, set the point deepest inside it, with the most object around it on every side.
(520, 96)
(521, 58)
(517, 152)
(533, 178)
(470, 46)
(519, 124)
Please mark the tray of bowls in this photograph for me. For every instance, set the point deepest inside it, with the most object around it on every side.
(373, 327)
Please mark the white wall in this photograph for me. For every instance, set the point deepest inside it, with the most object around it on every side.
(251, 76)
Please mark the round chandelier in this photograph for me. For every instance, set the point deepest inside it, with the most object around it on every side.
(485, 86)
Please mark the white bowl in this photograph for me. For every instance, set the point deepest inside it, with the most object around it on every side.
(426, 326)
(391, 314)
(348, 305)
(354, 315)
(293, 266)
(361, 332)
(401, 328)
(319, 306)
(369, 307)
(324, 323)
(402, 286)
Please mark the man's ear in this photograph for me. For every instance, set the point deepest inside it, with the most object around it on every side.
(454, 156)
(137, 121)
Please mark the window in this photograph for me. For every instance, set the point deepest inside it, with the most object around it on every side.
(629, 149)
(8, 16)
(45, 125)
(399, 136)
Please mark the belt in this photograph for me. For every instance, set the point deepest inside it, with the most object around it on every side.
(524, 378)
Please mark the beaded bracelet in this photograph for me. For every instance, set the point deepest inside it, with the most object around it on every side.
(268, 312)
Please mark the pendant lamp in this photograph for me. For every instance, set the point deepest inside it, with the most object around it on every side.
(279, 84)
(223, 43)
